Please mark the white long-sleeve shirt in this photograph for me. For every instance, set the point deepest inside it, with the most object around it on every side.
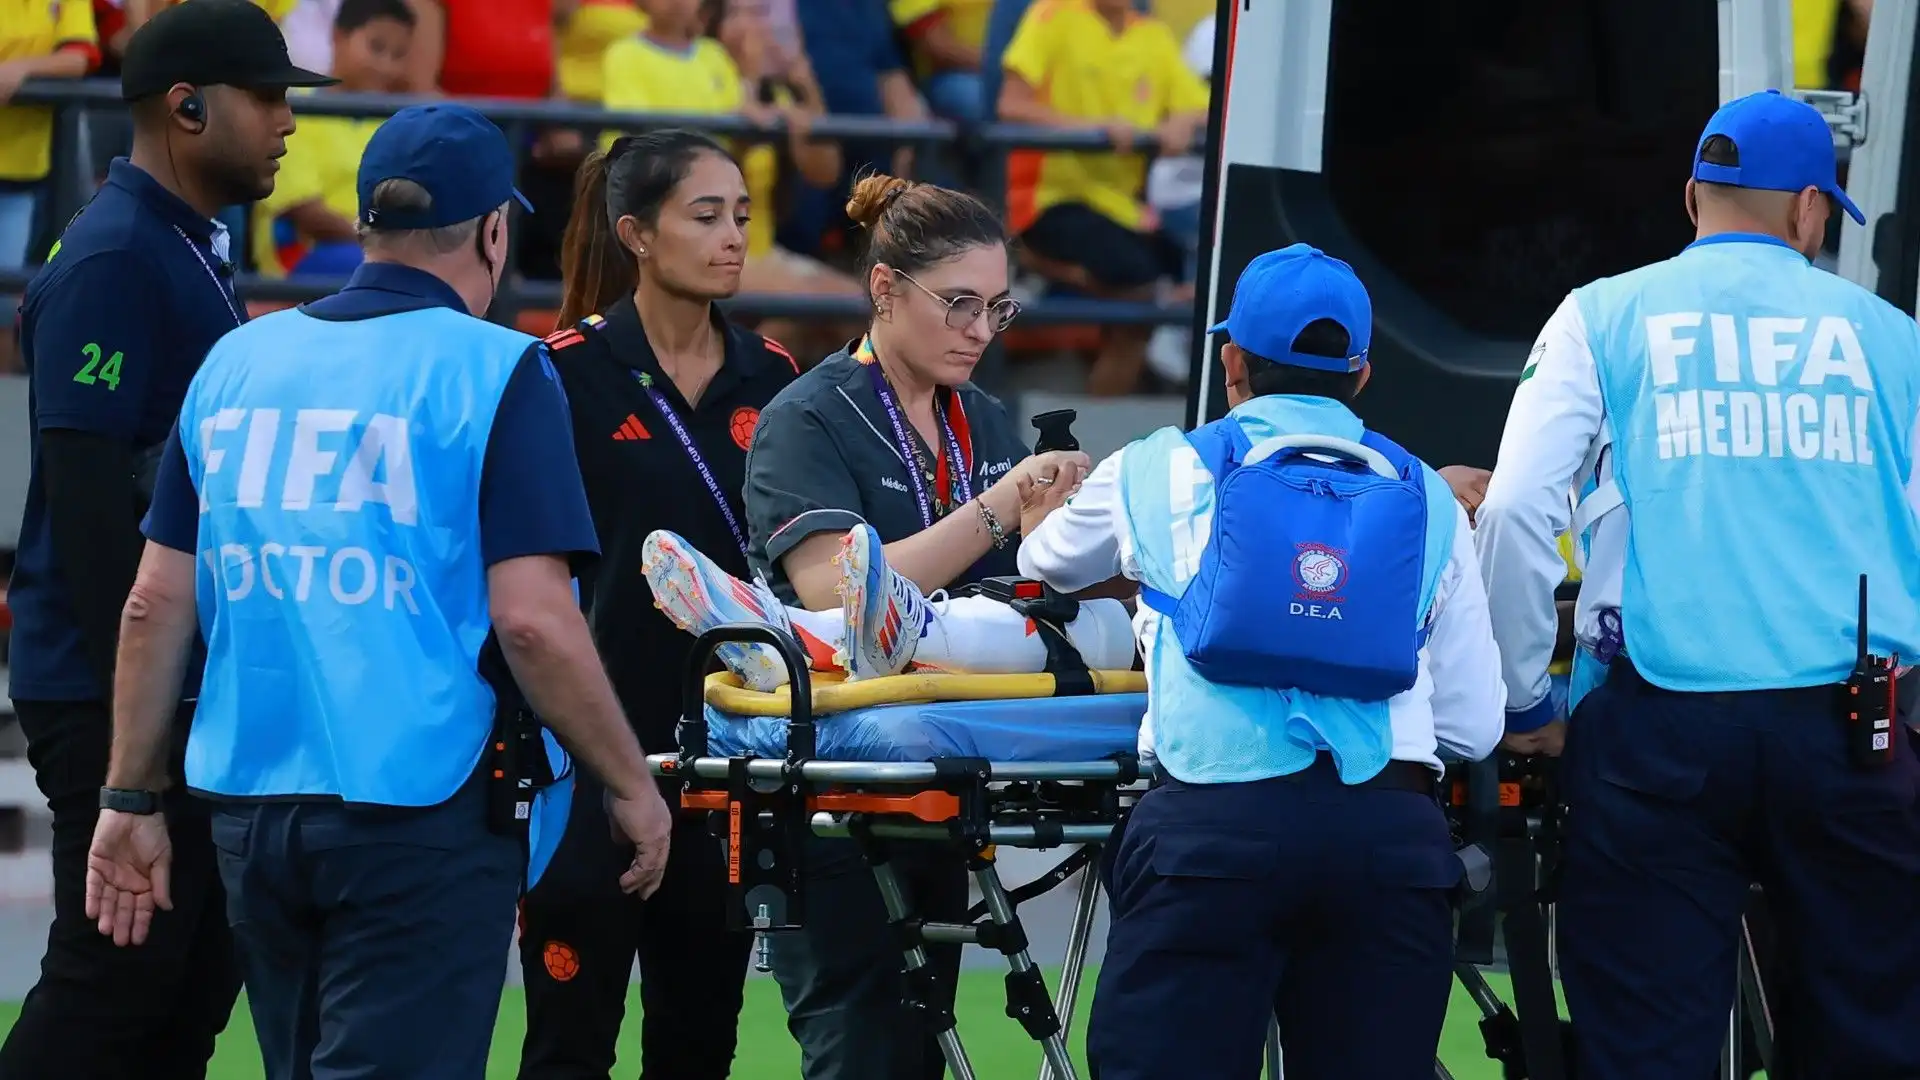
(1454, 706)
(1554, 442)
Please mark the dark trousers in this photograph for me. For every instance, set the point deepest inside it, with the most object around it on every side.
(1326, 905)
(840, 976)
(580, 935)
(101, 1011)
(374, 940)
(1676, 804)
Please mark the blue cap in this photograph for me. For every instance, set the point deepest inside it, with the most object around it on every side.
(1280, 292)
(455, 153)
(1784, 144)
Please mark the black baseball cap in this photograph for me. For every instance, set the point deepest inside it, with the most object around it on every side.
(210, 43)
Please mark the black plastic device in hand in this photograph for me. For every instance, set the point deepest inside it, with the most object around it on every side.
(1056, 431)
(1870, 706)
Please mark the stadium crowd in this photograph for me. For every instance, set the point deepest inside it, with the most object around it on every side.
(1106, 225)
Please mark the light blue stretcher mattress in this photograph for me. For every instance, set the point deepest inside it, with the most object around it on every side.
(1087, 728)
(1027, 729)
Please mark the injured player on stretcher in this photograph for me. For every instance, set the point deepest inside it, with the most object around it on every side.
(885, 626)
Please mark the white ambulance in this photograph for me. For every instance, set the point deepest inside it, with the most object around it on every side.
(1476, 159)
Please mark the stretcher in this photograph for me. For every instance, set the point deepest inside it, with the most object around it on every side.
(969, 761)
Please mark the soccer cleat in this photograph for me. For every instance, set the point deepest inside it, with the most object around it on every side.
(885, 612)
(697, 596)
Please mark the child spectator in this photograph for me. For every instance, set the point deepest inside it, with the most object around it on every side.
(307, 225)
(945, 37)
(44, 40)
(1098, 64)
(713, 58)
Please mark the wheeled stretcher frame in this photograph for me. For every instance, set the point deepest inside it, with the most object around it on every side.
(768, 808)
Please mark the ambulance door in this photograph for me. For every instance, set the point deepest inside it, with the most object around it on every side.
(1474, 160)
(1876, 129)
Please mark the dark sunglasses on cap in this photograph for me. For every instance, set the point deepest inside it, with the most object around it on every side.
(963, 310)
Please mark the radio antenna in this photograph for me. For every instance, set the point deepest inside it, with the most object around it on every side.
(1863, 615)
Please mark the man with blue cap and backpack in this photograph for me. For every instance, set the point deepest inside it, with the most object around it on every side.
(372, 505)
(1738, 427)
(1316, 638)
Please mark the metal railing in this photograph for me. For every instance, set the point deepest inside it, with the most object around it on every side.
(74, 172)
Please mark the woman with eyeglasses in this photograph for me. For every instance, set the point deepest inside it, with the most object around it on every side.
(889, 433)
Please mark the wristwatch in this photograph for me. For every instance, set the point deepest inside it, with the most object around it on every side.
(128, 801)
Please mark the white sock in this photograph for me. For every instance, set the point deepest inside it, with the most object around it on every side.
(982, 636)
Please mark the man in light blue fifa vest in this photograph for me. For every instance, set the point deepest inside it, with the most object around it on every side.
(1737, 427)
(1316, 638)
(361, 494)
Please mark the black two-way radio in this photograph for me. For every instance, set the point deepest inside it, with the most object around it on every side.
(1056, 431)
(1870, 705)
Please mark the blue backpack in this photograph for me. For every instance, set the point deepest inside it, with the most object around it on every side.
(1313, 578)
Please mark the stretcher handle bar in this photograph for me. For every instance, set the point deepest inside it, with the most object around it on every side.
(1027, 836)
(693, 686)
(927, 805)
(1373, 459)
(887, 772)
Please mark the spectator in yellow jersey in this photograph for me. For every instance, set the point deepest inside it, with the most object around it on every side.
(306, 227)
(39, 39)
(677, 65)
(1829, 39)
(946, 37)
(1081, 215)
(585, 33)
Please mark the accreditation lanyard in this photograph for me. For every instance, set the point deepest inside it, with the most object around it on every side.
(212, 275)
(951, 476)
(672, 418)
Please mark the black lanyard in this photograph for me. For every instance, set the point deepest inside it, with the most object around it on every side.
(680, 432)
(961, 486)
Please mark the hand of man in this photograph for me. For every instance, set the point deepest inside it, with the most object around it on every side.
(128, 874)
(646, 823)
(1469, 486)
(1549, 739)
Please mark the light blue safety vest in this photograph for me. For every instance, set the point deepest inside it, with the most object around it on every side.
(342, 592)
(1206, 733)
(1761, 415)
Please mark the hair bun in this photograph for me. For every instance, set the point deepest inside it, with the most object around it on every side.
(871, 196)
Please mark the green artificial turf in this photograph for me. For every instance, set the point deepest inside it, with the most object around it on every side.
(996, 1045)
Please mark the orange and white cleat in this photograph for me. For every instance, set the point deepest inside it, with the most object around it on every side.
(885, 613)
(697, 596)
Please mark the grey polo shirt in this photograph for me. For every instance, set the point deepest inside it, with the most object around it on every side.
(825, 458)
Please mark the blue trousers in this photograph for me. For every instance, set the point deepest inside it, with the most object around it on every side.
(1326, 905)
(374, 941)
(1676, 804)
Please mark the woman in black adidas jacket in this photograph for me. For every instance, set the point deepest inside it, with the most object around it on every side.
(664, 393)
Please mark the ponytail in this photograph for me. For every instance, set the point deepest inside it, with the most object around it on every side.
(596, 270)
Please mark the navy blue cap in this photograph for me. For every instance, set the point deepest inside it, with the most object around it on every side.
(455, 153)
(1282, 291)
(1784, 144)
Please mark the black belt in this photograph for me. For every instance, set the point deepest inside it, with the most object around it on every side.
(1397, 776)
(1825, 696)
